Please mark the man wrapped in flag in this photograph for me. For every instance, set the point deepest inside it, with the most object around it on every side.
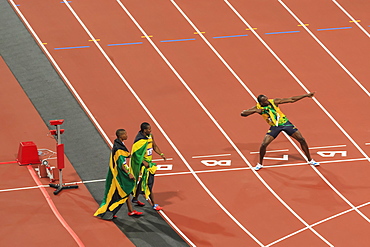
(120, 183)
(142, 166)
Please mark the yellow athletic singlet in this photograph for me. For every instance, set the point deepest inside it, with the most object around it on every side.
(272, 114)
(149, 149)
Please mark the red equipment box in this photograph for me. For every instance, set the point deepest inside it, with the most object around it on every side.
(28, 154)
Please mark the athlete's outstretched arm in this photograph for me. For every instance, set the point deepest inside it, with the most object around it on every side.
(250, 111)
(293, 99)
(157, 150)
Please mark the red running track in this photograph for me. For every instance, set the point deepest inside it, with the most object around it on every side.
(26, 217)
(193, 91)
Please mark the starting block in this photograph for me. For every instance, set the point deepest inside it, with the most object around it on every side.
(44, 170)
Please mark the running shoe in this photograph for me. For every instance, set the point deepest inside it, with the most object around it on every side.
(314, 163)
(157, 207)
(138, 203)
(258, 166)
(134, 213)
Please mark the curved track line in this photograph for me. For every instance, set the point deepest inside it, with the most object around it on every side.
(53, 207)
(350, 17)
(317, 223)
(253, 96)
(81, 102)
(216, 123)
(161, 130)
(325, 48)
(298, 81)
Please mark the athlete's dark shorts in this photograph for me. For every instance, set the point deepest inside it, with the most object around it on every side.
(151, 181)
(288, 128)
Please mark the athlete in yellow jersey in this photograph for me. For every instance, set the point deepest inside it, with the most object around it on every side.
(141, 163)
(270, 111)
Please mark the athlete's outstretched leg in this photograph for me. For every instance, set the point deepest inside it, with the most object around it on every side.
(298, 136)
(266, 141)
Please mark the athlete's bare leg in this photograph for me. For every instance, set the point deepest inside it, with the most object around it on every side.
(129, 205)
(298, 136)
(266, 141)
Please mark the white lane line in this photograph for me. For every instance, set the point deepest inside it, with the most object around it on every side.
(318, 103)
(142, 105)
(167, 159)
(227, 65)
(335, 146)
(181, 156)
(271, 151)
(23, 188)
(151, 115)
(325, 48)
(76, 95)
(297, 80)
(367, 143)
(286, 150)
(317, 223)
(199, 171)
(352, 19)
(218, 125)
(209, 156)
(65, 79)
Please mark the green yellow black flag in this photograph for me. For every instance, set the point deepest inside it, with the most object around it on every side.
(118, 185)
(142, 151)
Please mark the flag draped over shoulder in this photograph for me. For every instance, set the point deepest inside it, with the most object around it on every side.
(118, 185)
(142, 151)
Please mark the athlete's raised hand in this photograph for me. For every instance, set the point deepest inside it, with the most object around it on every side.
(310, 95)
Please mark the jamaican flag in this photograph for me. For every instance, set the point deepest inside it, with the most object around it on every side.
(118, 185)
(142, 151)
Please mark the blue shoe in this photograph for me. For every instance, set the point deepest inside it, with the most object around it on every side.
(258, 166)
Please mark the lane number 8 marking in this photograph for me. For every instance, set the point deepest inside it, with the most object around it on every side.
(216, 162)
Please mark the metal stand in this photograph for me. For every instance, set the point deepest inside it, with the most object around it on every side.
(60, 157)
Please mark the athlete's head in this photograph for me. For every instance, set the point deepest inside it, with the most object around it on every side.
(121, 134)
(145, 128)
(263, 100)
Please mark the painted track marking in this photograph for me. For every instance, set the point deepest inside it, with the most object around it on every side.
(325, 48)
(208, 156)
(352, 19)
(185, 173)
(225, 63)
(54, 208)
(180, 155)
(317, 102)
(79, 99)
(335, 146)
(333, 28)
(156, 122)
(271, 151)
(299, 82)
(318, 223)
(214, 120)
